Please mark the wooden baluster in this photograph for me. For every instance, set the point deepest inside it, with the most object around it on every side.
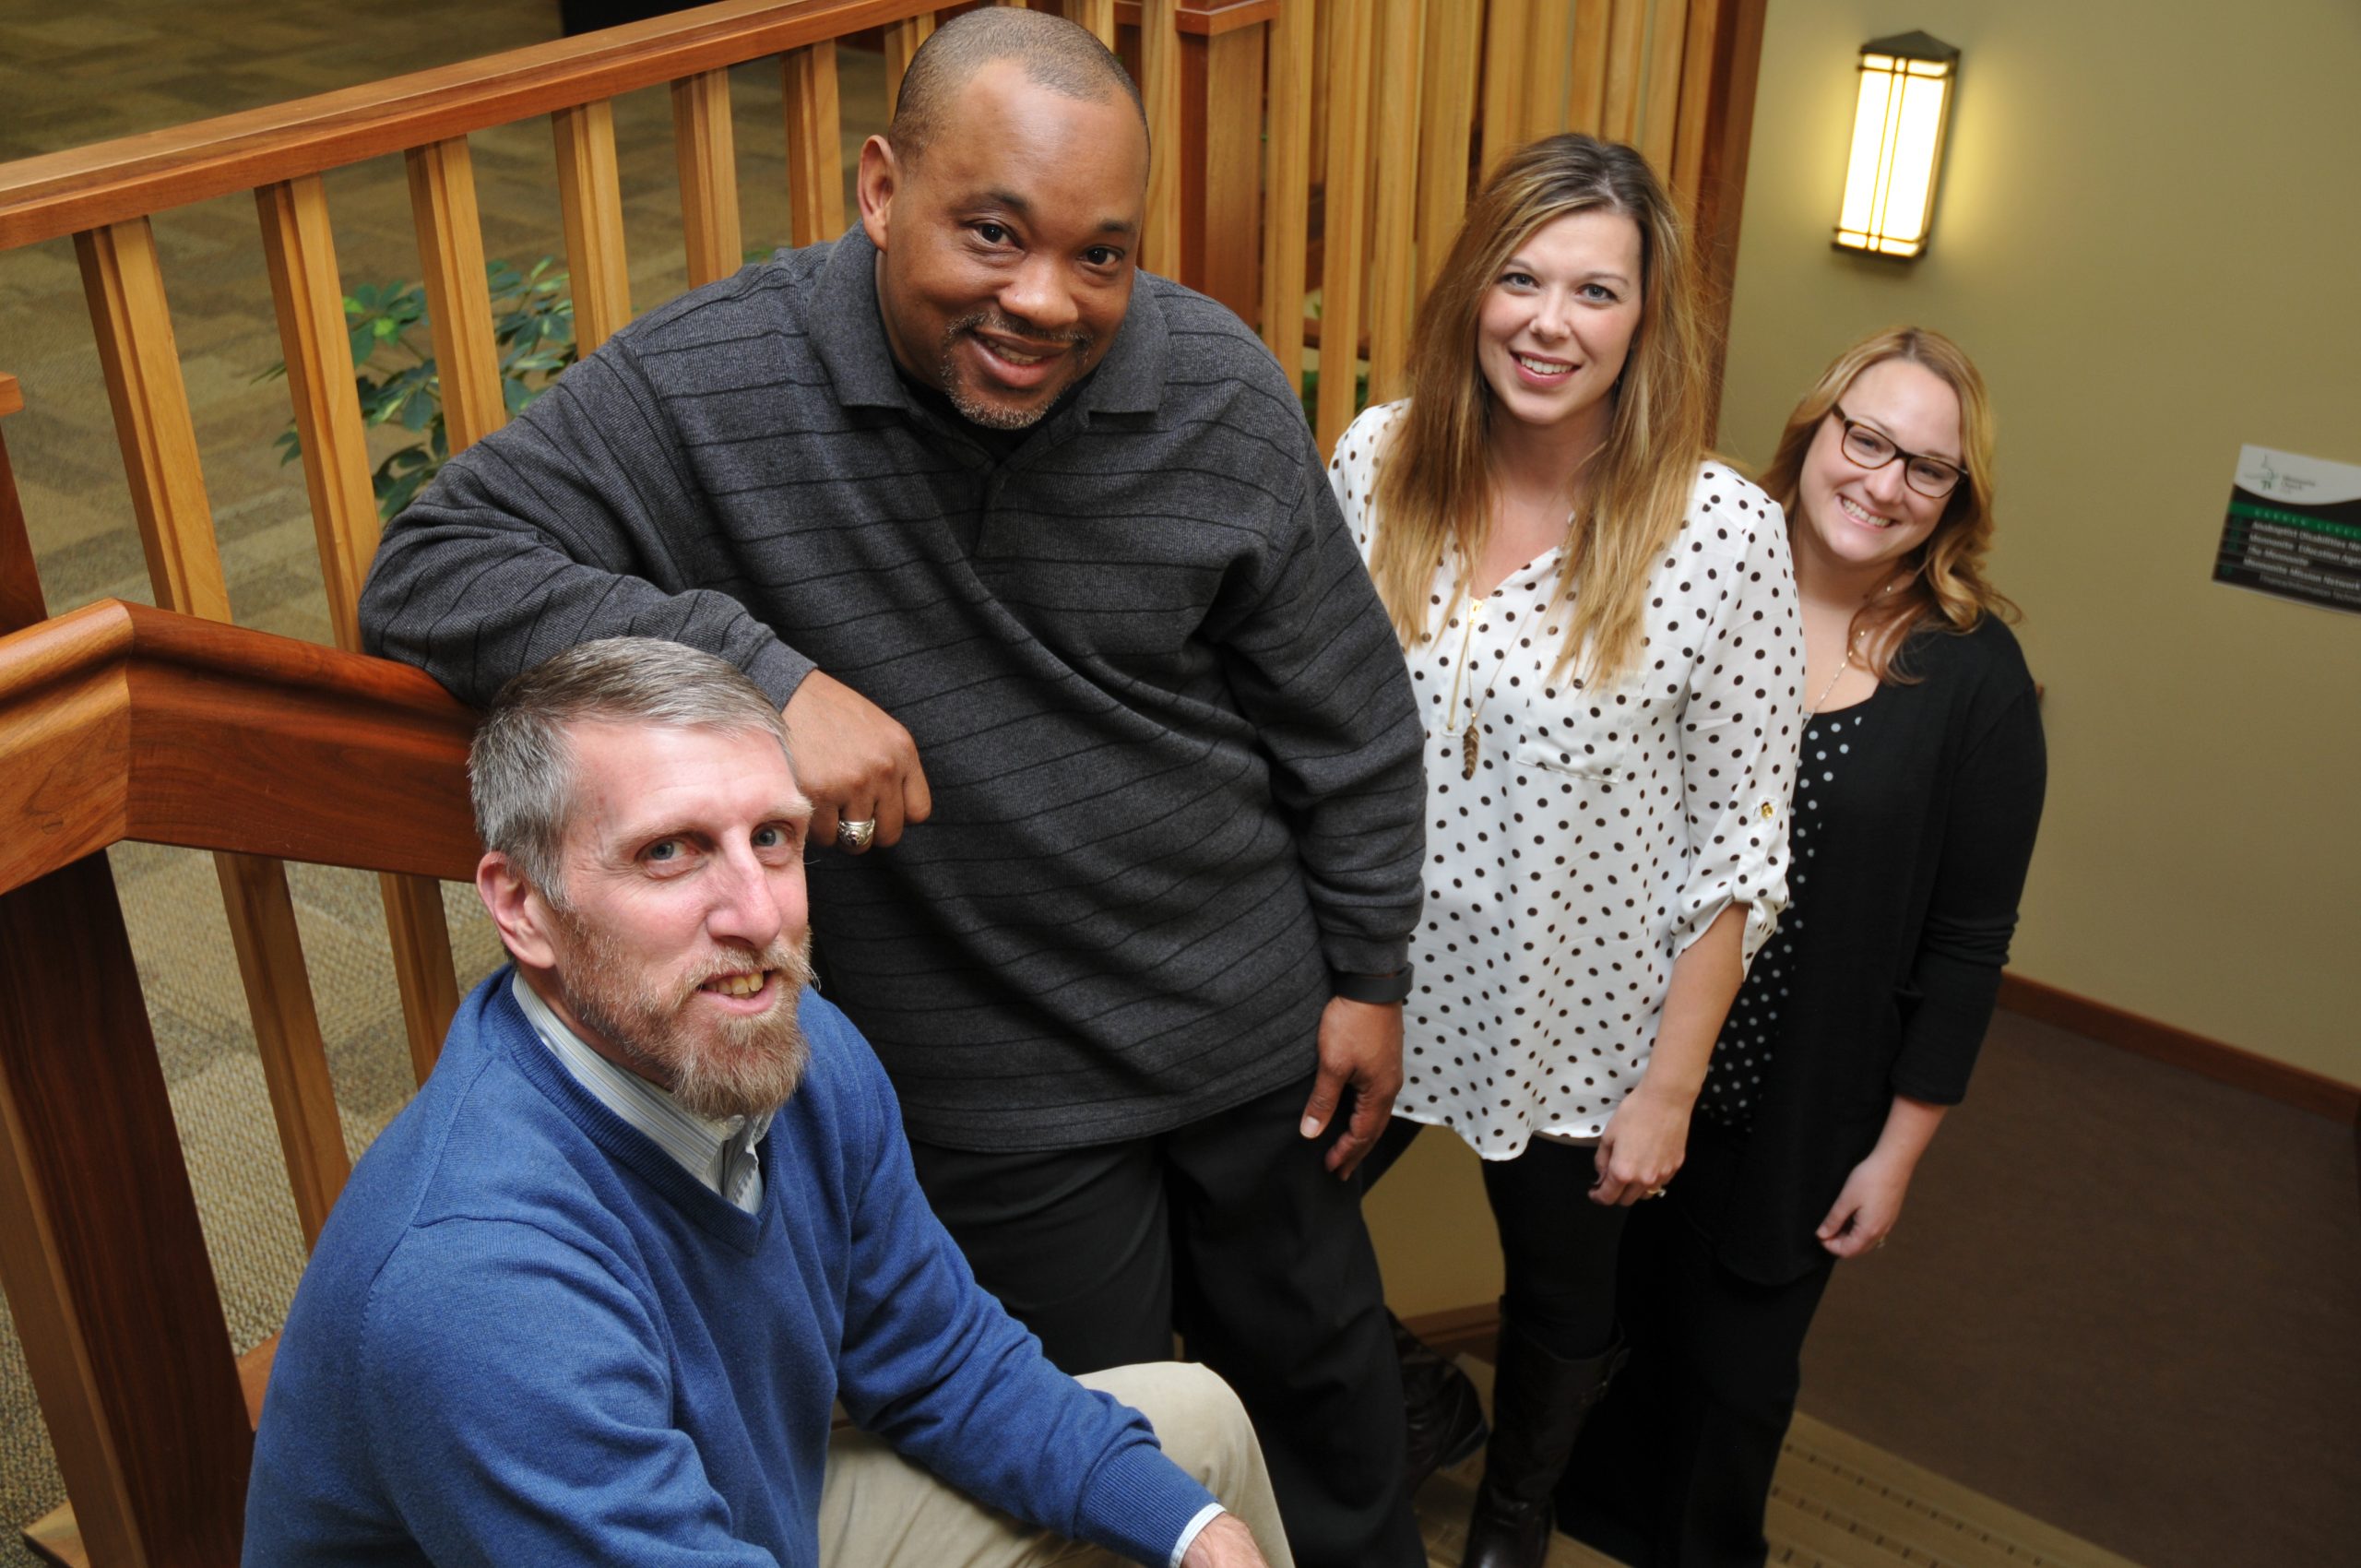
(1447, 111)
(902, 41)
(298, 249)
(1504, 77)
(707, 153)
(1626, 40)
(124, 285)
(1660, 111)
(1587, 103)
(1696, 103)
(1549, 48)
(450, 251)
(101, 1252)
(20, 598)
(458, 300)
(1287, 186)
(815, 157)
(589, 197)
(1160, 95)
(134, 328)
(1229, 260)
(1098, 16)
(1392, 286)
(1344, 236)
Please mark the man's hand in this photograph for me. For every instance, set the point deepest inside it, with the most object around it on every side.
(1225, 1542)
(1360, 1047)
(854, 762)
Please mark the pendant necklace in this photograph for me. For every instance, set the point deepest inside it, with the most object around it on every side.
(1847, 662)
(1476, 611)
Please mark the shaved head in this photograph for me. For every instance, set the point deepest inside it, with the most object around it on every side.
(1057, 56)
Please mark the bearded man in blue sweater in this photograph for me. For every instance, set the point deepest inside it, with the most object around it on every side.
(590, 1298)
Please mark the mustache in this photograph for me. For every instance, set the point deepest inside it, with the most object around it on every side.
(1009, 326)
(790, 960)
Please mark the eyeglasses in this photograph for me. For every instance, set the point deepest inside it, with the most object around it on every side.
(1866, 448)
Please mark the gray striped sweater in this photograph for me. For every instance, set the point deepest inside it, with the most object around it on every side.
(1172, 745)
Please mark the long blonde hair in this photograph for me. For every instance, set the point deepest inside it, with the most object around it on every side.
(1435, 488)
(1947, 587)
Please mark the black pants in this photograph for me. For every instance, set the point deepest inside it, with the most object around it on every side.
(1230, 1231)
(1558, 1248)
(1674, 1468)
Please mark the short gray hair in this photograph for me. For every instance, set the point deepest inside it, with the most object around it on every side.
(520, 769)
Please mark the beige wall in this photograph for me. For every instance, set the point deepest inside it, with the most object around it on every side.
(2148, 236)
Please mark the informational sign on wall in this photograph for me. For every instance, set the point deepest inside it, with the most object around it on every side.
(2293, 529)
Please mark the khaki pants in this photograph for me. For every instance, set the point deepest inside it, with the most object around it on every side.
(877, 1509)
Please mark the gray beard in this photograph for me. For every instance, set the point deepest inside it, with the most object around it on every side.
(750, 1067)
(987, 414)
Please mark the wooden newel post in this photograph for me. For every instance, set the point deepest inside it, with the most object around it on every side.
(101, 1252)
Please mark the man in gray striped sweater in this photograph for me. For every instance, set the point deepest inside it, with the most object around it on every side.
(1088, 688)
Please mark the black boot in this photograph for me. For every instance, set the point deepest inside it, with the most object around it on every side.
(1445, 1415)
(1538, 1405)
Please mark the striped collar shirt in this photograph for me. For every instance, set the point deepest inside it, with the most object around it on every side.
(720, 1153)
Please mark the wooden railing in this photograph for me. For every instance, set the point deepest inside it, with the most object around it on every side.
(1300, 145)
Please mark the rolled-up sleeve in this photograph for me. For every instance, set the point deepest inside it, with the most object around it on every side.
(1740, 728)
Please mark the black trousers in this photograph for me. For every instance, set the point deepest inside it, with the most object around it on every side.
(1230, 1231)
(1674, 1468)
(1558, 1249)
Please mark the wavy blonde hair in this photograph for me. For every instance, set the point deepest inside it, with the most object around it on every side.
(1947, 587)
(1435, 488)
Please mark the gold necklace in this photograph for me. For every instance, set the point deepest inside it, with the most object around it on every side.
(1476, 611)
(1847, 662)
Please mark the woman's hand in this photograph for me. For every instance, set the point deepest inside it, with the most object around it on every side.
(1643, 1146)
(1871, 1200)
(1865, 1211)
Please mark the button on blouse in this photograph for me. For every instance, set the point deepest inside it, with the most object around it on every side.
(1602, 829)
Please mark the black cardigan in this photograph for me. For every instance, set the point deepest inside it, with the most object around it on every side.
(1906, 907)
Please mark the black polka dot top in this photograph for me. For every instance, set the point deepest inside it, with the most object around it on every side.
(1579, 839)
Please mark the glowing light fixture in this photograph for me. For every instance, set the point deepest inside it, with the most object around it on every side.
(1897, 145)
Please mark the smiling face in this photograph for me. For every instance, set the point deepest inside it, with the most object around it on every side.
(1010, 246)
(1857, 522)
(683, 943)
(1557, 323)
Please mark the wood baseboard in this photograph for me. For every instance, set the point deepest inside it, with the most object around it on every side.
(1472, 1329)
(2225, 1063)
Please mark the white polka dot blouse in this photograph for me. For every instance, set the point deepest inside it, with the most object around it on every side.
(1579, 839)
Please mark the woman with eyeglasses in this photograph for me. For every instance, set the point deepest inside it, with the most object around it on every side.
(1600, 627)
(1917, 800)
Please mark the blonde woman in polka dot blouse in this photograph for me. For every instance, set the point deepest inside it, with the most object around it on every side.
(1600, 628)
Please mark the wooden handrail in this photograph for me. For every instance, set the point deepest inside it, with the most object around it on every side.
(63, 193)
(120, 722)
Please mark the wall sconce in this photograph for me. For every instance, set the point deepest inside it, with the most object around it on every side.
(1897, 145)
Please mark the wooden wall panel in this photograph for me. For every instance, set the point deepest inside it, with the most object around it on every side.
(1660, 105)
(1548, 49)
(1392, 286)
(1231, 240)
(1446, 126)
(1586, 90)
(1343, 245)
(1287, 185)
(1161, 92)
(1503, 101)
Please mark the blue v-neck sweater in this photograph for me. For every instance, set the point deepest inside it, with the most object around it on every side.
(528, 1336)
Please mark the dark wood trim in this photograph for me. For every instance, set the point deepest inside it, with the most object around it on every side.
(101, 1252)
(2223, 1062)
